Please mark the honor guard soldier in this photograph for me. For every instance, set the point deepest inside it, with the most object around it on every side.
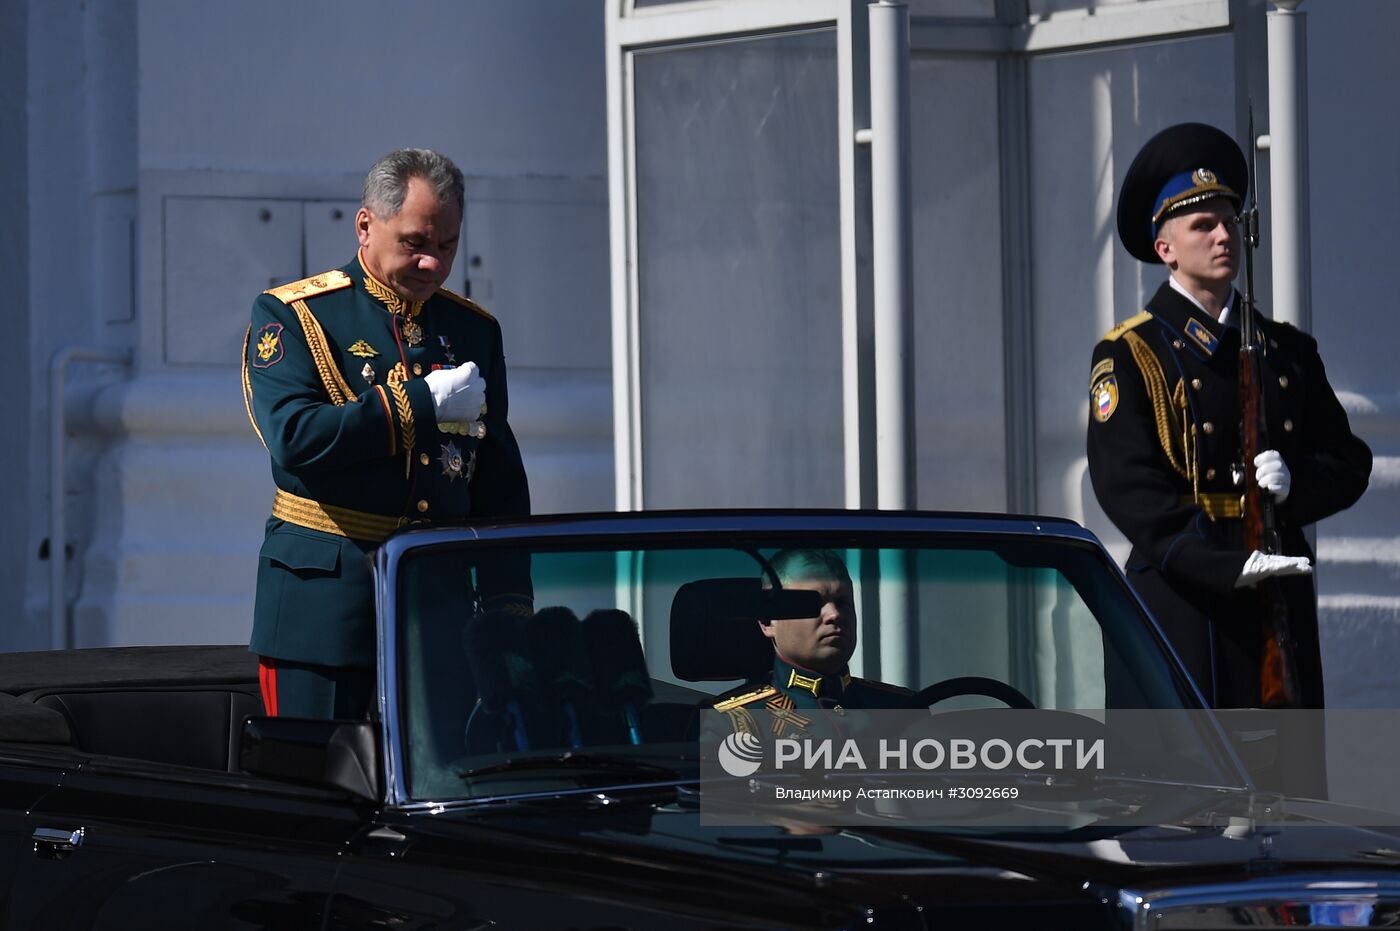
(810, 656)
(381, 398)
(1164, 429)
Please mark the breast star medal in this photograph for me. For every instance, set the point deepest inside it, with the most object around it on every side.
(446, 345)
(412, 332)
(451, 461)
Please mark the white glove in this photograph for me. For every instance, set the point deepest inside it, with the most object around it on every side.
(458, 393)
(1272, 475)
(1260, 566)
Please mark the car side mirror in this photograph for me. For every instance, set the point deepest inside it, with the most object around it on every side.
(335, 754)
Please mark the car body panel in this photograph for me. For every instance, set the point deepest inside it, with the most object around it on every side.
(165, 844)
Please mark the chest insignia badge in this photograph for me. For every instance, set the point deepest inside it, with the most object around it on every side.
(446, 345)
(368, 373)
(1202, 335)
(453, 465)
(362, 349)
(1103, 398)
(412, 332)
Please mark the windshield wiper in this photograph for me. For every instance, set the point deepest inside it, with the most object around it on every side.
(570, 761)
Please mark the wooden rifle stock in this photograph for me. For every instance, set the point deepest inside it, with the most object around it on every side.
(1278, 672)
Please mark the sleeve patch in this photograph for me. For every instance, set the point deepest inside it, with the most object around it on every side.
(1103, 398)
(1101, 368)
(267, 346)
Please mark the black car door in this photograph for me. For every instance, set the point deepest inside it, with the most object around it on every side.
(132, 844)
(27, 774)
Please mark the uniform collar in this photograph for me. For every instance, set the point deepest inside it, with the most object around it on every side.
(793, 678)
(1180, 288)
(1185, 316)
(380, 291)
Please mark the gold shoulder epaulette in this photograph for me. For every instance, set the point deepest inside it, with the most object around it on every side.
(466, 302)
(333, 280)
(1134, 321)
(745, 698)
(886, 687)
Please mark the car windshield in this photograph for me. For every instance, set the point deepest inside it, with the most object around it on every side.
(600, 680)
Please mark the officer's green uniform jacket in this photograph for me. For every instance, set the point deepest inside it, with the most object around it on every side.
(333, 372)
(776, 707)
(1164, 452)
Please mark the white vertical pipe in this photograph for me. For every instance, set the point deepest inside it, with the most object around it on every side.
(853, 101)
(60, 637)
(1291, 246)
(893, 283)
(892, 270)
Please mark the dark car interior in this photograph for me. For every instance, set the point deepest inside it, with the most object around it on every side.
(179, 705)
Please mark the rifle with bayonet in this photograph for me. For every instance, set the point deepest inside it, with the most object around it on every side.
(1278, 673)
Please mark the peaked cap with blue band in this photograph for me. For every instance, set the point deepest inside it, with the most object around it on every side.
(1182, 165)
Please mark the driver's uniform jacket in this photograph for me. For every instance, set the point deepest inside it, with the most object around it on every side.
(775, 708)
(333, 370)
(1164, 456)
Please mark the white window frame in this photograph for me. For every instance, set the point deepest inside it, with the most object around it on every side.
(1012, 38)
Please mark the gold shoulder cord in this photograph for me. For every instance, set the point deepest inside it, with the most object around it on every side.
(248, 387)
(1164, 406)
(742, 721)
(337, 388)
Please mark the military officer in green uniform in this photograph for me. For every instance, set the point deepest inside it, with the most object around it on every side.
(381, 398)
(810, 656)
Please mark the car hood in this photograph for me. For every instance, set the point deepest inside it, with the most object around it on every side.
(802, 875)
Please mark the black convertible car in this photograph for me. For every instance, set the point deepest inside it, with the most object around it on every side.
(547, 770)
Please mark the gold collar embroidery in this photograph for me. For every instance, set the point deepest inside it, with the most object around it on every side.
(386, 295)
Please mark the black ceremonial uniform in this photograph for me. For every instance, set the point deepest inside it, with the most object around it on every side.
(1164, 450)
(333, 380)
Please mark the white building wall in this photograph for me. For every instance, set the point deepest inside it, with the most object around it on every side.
(1352, 74)
(181, 157)
(127, 114)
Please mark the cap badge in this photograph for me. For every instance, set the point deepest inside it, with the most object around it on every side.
(1203, 176)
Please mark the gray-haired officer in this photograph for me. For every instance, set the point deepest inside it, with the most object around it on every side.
(1164, 427)
(381, 398)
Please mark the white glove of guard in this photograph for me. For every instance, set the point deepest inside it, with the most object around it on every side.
(1260, 566)
(1272, 475)
(458, 393)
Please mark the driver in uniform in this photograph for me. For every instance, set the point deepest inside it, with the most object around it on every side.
(810, 655)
